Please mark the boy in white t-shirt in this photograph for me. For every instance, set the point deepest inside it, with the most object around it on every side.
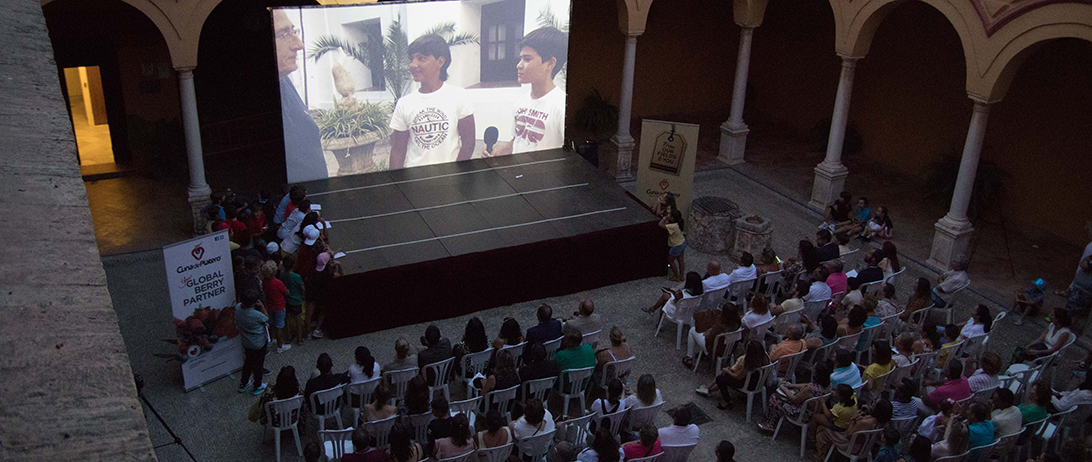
(435, 123)
(539, 114)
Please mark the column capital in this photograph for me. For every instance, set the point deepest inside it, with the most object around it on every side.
(632, 36)
(978, 99)
(849, 62)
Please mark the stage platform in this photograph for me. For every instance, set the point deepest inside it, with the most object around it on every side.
(473, 235)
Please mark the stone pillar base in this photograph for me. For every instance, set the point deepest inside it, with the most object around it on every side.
(952, 238)
(198, 201)
(829, 182)
(621, 157)
(733, 141)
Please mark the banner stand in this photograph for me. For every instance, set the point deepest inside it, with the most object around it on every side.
(202, 291)
(667, 156)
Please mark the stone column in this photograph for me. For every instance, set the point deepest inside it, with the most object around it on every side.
(830, 174)
(733, 132)
(953, 232)
(622, 142)
(199, 190)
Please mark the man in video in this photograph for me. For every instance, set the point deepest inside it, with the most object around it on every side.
(435, 123)
(540, 113)
(302, 144)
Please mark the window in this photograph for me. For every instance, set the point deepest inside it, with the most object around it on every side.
(502, 31)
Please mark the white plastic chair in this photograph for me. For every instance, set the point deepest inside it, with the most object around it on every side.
(822, 353)
(807, 409)
(535, 447)
(894, 378)
(441, 376)
(740, 291)
(759, 331)
(887, 332)
(813, 308)
(948, 310)
(591, 338)
(615, 420)
(729, 340)
(922, 365)
(497, 454)
(576, 380)
(871, 288)
(849, 342)
(362, 389)
(791, 361)
(551, 347)
(463, 458)
(756, 385)
(948, 353)
(955, 458)
(326, 404)
(398, 380)
(781, 324)
(1053, 430)
(639, 416)
(711, 300)
(576, 430)
(677, 453)
(981, 453)
(619, 369)
(891, 279)
(538, 388)
(380, 430)
(866, 440)
(684, 314)
(501, 399)
(467, 407)
(282, 415)
(980, 396)
(906, 426)
(972, 349)
(420, 426)
(336, 443)
(474, 363)
(773, 283)
(652, 458)
(916, 320)
(516, 351)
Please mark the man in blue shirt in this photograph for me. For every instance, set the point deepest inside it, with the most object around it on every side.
(548, 329)
(981, 430)
(250, 320)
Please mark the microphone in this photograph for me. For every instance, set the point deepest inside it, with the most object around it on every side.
(491, 135)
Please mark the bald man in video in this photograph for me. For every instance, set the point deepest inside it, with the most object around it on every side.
(302, 144)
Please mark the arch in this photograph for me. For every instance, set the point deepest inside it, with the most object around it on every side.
(749, 13)
(994, 84)
(633, 15)
(856, 28)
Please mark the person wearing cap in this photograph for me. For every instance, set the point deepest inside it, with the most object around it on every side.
(1029, 300)
(326, 269)
(681, 432)
(307, 255)
(289, 234)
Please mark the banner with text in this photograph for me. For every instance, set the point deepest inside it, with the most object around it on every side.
(202, 290)
(668, 151)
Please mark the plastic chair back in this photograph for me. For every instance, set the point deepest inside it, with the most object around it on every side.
(813, 308)
(981, 453)
(893, 276)
(551, 347)
(849, 342)
(730, 340)
(326, 404)
(782, 322)
(759, 331)
(420, 426)
(398, 380)
(711, 300)
(773, 282)
(463, 458)
(516, 351)
(619, 369)
(336, 442)
(871, 288)
(439, 375)
(591, 338)
(947, 353)
(364, 391)
(823, 353)
(916, 320)
(501, 399)
(465, 407)
(740, 291)
(677, 453)
(652, 458)
(790, 362)
(535, 447)
(380, 430)
(615, 421)
(576, 430)
(538, 388)
(639, 416)
(497, 454)
(474, 363)
(955, 458)
(572, 385)
(284, 413)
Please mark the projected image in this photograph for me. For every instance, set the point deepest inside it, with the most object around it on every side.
(376, 87)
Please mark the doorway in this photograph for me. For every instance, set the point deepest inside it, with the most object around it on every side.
(87, 105)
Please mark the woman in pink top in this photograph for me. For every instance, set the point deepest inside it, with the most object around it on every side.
(459, 443)
(648, 445)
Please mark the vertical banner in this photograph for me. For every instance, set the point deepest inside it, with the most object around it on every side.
(202, 290)
(668, 151)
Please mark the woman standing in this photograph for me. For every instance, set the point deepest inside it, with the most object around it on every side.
(676, 243)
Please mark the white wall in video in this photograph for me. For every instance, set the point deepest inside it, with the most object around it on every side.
(375, 87)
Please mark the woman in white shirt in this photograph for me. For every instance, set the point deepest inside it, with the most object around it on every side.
(536, 420)
(647, 393)
(1056, 335)
(610, 405)
(979, 324)
(759, 312)
(365, 368)
(691, 288)
(603, 449)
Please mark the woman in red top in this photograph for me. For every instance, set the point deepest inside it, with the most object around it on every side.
(648, 445)
(275, 293)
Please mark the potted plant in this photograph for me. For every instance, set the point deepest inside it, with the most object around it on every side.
(351, 130)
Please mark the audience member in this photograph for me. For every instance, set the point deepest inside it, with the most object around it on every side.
(789, 399)
(795, 302)
(876, 417)
(536, 419)
(837, 417)
(979, 425)
(402, 448)
(905, 403)
(951, 281)
(1066, 400)
(735, 376)
(826, 334)
(837, 214)
(890, 262)
(535, 365)
(818, 290)
(548, 328)
(442, 425)
(714, 279)
(619, 349)
(437, 348)
(881, 364)
(986, 377)
(501, 374)
(510, 334)
(604, 448)
(275, 296)
(1080, 289)
(496, 433)
(404, 356)
(980, 323)
(363, 450)
(872, 271)
(475, 340)
(758, 314)
(647, 445)
(792, 344)
(1056, 336)
(726, 451)
(460, 441)
(843, 243)
(825, 249)
(845, 372)
(1029, 300)
(691, 288)
(726, 320)
(585, 319)
(380, 408)
(286, 386)
(803, 265)
(956, 440)
(572, 354)
(889, 451)
(417, 399)
(880, 226)
(1035, 409)
(312, 452)
(768, 261)
(746, 271)
(920, 299)
(647, 393)
(904, 349)
(837, 279)
(858, 218)
(325, 380)
(854, 296)
(250, 320)
(1006, 417)
(611, 404)
(887, 306)
(681, 432)
(293, 304)
(955, 389)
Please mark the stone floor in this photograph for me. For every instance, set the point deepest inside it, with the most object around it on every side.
(212, 422)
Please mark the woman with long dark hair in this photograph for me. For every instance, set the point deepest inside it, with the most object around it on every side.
(921, 298)
(603, 449)
(510, 334)
(475, 340)
(890, 262)
(692, 287)
(460, 442)
(980, 323)
(735, 376)
(402, 448)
